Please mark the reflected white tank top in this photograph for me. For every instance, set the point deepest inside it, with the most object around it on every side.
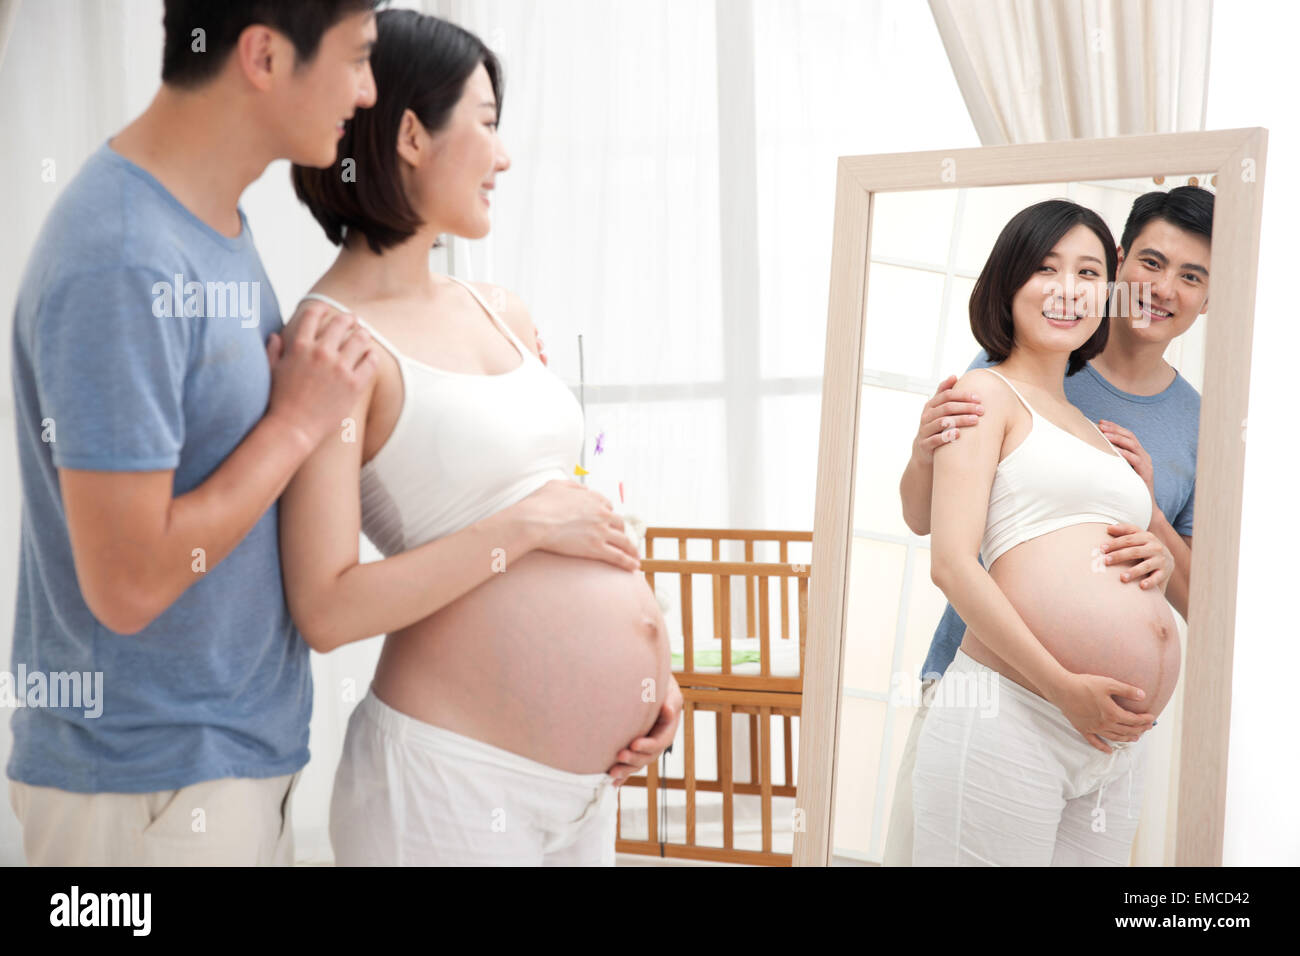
(1054, 479)
(465, 446)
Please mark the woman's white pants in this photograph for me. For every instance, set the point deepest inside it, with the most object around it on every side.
(1003, 779)
(408, 793)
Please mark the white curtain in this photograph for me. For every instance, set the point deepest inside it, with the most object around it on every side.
(1039, 70)
(8, 14)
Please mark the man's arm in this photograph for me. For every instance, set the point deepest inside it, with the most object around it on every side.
(915, 490)
(137, 548)
(1178, 587)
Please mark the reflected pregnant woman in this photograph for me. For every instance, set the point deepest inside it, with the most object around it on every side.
(524, 649)
(1067, 659)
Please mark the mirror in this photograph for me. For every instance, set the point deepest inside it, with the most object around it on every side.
(912, 234)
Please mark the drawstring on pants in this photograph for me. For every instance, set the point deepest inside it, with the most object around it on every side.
(1128, 813)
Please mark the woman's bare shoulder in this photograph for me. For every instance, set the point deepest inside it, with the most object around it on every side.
(987, 384)
(999, 405)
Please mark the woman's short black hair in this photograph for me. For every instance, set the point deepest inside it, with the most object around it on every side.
(1190, 208)
(419, 63)
(1017, 254)
(187, 63)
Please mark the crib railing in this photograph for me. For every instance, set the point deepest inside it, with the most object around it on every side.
(726, 693)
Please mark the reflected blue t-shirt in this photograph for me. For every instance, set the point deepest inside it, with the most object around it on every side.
(139, 344)
(1166, 424)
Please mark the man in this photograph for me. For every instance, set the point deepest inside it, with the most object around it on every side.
(1146, 409)
(154, 438)
(160, 414)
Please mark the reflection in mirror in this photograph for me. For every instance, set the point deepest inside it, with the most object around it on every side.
(927, 250)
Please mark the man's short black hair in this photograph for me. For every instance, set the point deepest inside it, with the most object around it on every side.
(187, 63)
(1017, 254)
(1190, 208)
(419, 63)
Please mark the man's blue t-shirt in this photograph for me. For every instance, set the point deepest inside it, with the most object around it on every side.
(1165, 423)
(139, 344)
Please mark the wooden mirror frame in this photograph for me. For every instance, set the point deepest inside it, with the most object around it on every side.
(1236, 158)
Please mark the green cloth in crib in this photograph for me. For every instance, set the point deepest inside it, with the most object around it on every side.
(714, 658)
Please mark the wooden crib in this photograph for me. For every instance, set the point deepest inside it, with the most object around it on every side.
(768, 692)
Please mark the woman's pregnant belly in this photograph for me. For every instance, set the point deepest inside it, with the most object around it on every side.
(563, 660)
(1090, 620)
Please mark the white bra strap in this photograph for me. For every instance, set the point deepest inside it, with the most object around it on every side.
(1014, 389)
(335, 303)
(322, 297)
(524, 350)
(1035, 414)
(1107, 440)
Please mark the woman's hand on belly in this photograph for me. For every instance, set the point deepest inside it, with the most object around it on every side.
(575, 521)
(1091, 621)
(643, 750)
(1087, 700)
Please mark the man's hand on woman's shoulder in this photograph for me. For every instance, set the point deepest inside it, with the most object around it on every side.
(943, 417)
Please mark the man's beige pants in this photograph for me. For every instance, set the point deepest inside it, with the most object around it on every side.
(235, 821)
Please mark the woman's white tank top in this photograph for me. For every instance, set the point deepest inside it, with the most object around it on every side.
(465, 446)
(1053, 479)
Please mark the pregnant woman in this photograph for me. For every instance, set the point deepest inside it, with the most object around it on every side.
(1071, 650)
(524, 649)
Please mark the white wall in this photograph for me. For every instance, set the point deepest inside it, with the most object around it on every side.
(1252, 83)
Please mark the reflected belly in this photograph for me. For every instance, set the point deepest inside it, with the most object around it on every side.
(562, 660)
(1090, 620)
